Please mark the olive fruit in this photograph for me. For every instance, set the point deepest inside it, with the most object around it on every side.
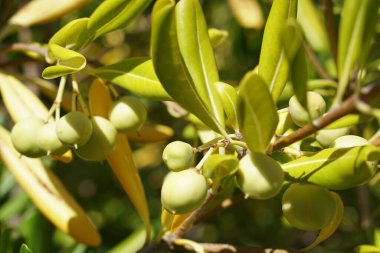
(348, 141)
(24, 139)
(127, 114)
(308, 207)
(259, 176)
(48, 141)
(328, 136)
(183, 191)
(74, 129)
(102, 141)
(316, 106)
(178, 155)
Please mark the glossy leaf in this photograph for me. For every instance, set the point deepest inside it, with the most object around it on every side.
(220, 165)
(313, 26)
(292, 40)
(348, 120)
(332, 226)
(42, 11)
(352, 30)
(229, 97)
(171, 69)
(257, 112)
(334, 168)
(273, 65)
(136, 75)
(217, 36)
(284, 121)
(197, 54)
(133, 243)
(69, 62)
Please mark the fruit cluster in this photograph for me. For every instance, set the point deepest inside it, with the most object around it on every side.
(92, 138)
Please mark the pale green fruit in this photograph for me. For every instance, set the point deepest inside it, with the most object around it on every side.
(259, 176)
(316, 105)
(183, 191)
(178, 155)
(24, 138)
(48, 141)
(74, 129)
(308, 207)
(328, 136)
(348, 141)
(127, 114)
(102, 141)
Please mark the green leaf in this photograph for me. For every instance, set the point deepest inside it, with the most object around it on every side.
(136, 75)
(354, 27)
(171, 69)
(67, 36)
(257, 112)
(220, 166)
(69, 62)
(273, 65)
(115, 14)
(348, 120)
(217, 36)
(25, 249)
(313, 26)
(14, 206)
(132, 243)
(295, 52)
(367, 249)
(197, 54)
(229, 97)
(335, 168)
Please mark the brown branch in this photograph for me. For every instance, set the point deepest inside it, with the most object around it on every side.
(315, 62)
(331, 27)
(348, 106)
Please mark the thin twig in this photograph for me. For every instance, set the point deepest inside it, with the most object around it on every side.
(331, 27)
(315, 62)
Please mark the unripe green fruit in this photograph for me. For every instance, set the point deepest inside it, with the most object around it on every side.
(24, 139)
(328, 136)
(178, 155)
(260, 176)
(48, 141)
(316, 105)
(127, 114)
(102, 141)
(74, 129)
(308, 207)
(183, 191)
(348, 141)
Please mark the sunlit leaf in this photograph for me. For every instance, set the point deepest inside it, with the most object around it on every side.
(229, 97)
(335, 168)
(136, 75)
(217, 36)
(273, 65)
(69, 62)
(42, 11)
(257, 112)
(248, 13)
(172, 71)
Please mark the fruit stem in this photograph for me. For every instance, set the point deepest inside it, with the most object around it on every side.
(77, 94)
(205, 157)
(56, 107)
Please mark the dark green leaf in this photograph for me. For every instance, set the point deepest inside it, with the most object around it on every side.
(25, 249)
(257, 112)
(136, 75)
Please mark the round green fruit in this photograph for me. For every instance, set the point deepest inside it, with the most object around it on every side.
(328, 136)
(102, 141)
(24, 138)
(316, 106)
(178, 155)
(74, 129)
(48, 141)
(183, 191)
(308, 207)
(259, 176)
(127, 114)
